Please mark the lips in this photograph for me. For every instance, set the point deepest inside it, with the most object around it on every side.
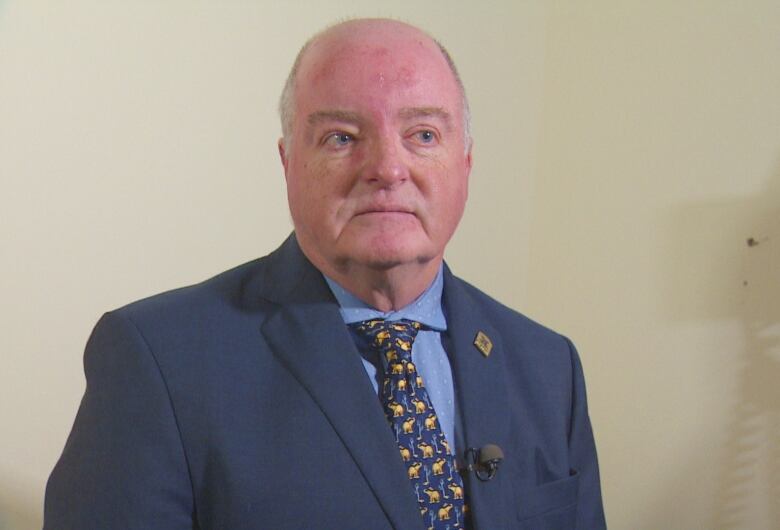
(384, 208)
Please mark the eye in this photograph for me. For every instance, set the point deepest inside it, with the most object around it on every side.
(339, 139)
(425, 137)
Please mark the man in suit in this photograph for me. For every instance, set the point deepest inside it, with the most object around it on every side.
(258, 399)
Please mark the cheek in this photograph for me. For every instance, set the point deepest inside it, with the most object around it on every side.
(304, 181)
(302, 197)
(449, 196)
(317, 192)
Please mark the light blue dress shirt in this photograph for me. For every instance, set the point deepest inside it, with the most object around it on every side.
(428, 354)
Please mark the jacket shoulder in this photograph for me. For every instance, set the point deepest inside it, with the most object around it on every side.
(508, 320)
(223, 290)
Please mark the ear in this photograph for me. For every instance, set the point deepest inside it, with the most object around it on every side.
(283, 155)
(469, 162)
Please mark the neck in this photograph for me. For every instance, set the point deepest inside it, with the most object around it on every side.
(387, 289)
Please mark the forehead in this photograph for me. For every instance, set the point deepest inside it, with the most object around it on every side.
(379, 68)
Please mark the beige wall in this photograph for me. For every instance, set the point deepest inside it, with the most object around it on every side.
(659, 155)
(624, 152)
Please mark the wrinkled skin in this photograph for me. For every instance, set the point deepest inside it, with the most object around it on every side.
(377, 164)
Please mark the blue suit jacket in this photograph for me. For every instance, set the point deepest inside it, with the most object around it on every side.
(242, 403)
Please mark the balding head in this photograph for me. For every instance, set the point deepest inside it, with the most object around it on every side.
(354, 30)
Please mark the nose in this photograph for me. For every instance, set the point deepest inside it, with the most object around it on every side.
(386, 165)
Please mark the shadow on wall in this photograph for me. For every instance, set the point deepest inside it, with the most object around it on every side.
(737, 243)
(753, 443)
(16, 513)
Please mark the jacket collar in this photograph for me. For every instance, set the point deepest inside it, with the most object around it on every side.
(307, 334)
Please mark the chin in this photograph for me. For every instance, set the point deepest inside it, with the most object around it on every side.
(384, 257)
(386, 247)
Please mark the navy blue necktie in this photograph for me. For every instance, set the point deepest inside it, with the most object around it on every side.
(429, 463)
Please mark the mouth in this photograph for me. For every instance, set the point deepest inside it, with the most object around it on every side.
(384, 209)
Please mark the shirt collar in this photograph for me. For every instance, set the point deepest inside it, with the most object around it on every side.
(426, 309)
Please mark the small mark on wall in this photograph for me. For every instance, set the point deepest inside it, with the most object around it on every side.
(753, 242)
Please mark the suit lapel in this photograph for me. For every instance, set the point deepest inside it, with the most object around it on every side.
(308, 335)
(481, 392)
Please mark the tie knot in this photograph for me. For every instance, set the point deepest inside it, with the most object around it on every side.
(392, 339)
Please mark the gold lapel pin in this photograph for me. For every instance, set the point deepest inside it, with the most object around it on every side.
(483, 343)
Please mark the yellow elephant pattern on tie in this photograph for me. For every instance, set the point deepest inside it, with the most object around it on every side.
(423, 449)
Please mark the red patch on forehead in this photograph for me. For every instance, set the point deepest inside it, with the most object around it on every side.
(351, 67)
(405, 76)
(380, 52)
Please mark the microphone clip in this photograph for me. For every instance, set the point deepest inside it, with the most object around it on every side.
(484, 461)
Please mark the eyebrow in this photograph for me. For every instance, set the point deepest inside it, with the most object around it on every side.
(426, 112)
(346, 116)
(333, 115)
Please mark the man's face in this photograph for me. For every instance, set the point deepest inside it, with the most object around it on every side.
(377, 167)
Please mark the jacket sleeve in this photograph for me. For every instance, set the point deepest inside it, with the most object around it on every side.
(582, 453)
(123, 465)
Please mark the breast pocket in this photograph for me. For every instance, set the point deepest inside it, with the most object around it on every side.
(550, 506)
